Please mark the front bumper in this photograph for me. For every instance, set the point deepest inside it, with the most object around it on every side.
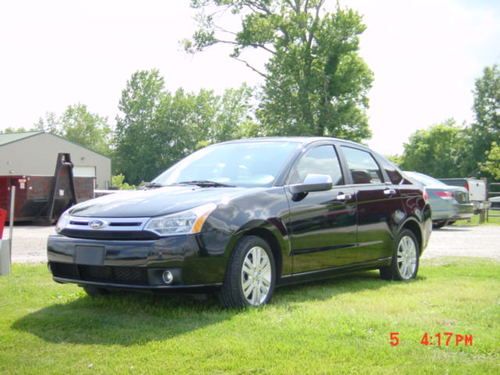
(136, 264)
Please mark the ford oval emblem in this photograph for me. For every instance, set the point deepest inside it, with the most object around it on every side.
(97, 224)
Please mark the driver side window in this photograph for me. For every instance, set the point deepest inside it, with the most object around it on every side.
(319, 160)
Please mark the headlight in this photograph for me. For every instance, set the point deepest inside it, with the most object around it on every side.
(190, 221)
(62, 222)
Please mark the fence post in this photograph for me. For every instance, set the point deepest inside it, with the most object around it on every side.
(482, 212)
(11, 218)
(6, 245)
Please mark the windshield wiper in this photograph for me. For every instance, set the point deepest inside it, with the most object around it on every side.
(205, 183)
(151, 185)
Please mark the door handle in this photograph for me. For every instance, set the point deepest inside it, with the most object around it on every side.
(343, 197)
(389, 191)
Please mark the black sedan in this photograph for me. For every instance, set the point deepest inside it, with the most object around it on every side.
(242, 217)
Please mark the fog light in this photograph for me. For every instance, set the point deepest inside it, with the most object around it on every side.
(167, 277)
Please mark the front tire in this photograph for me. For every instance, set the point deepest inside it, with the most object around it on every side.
(93, 291)
(250, 276)
(405, 259)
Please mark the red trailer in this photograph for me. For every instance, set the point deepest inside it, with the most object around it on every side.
(44, 198)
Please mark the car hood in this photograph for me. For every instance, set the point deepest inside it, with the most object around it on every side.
(155, 202)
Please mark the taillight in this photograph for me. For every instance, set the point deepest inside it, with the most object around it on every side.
(466, 186)
(444, 194)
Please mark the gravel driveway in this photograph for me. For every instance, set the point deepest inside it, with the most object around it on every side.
(465, 241)
(29, 243)
(481, 241)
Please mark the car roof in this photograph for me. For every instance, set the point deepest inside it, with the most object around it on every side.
(302, 140)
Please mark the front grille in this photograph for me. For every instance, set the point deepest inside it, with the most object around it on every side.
(67, 271)
(106, 274)
(109, 235)
(118, 224)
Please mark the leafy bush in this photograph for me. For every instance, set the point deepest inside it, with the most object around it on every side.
(118, 182)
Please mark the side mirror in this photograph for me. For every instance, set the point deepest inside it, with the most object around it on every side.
(312, 182)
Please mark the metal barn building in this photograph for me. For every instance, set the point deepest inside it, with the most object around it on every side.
(35, 153)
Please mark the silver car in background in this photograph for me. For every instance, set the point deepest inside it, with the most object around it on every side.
(448, 203)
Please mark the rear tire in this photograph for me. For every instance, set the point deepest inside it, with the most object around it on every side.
(250, 276)
(438, 224)
(405, 258)
(94, 291)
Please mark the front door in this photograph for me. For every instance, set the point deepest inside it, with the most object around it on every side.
(320, 223)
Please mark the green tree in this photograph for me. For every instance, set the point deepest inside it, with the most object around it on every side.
(449, 151)
(396, 159)
(491, 166)
(49, 124)
(139, 106)
(11, 130)
(77, 124)
(85, 128)
(315, 81)
(486, 128)
(156, 128)
(233, 116)
(182, 126)
(437, 151)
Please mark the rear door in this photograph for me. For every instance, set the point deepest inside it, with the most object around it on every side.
(324, 222)
(379, 206)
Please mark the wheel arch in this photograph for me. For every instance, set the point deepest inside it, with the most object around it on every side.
(267, 235)
(413, 225)
(273, 243)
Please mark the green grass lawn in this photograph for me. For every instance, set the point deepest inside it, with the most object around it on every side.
(337, 326)
(492, 220)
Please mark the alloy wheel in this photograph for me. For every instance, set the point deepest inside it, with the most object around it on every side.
(406, 257)
(256, 276)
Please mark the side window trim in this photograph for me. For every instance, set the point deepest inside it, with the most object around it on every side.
(344, 166)
(341, 166)
(387, 178)
(384, 181)
(311, 147)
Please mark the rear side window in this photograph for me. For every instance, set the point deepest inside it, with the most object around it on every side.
(319, 160)
(391, 171)
(362, 166)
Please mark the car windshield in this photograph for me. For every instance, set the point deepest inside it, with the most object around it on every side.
(424, 179)
(237, 164)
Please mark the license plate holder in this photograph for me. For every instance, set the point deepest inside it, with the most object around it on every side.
(89, 255)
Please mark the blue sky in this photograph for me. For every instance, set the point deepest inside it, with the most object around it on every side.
(425, 56)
